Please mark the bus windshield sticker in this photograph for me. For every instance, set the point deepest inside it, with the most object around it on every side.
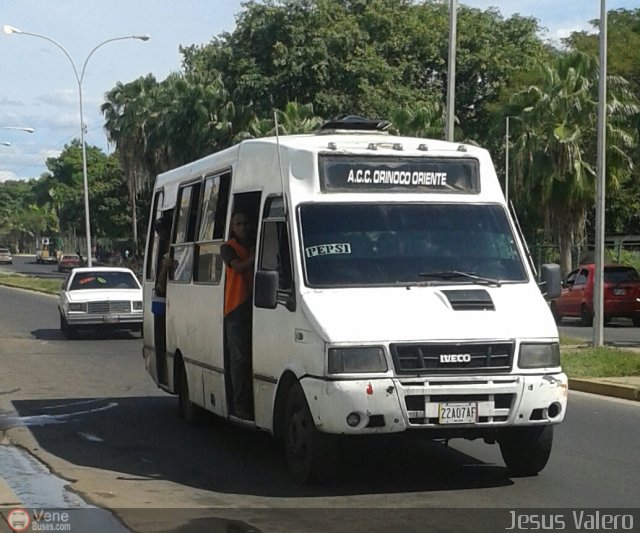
(326, 249)
(395, 174)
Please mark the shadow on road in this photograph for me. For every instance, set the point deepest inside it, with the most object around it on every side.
(143, 437)
(88, 334)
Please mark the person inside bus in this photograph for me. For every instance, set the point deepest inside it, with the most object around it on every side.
(238, 254)
(163, 232)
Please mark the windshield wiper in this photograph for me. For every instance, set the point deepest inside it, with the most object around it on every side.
(452, 274)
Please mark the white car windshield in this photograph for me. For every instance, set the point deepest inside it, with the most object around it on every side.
(388, 244)
(103, 280)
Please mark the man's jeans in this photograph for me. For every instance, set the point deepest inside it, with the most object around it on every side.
(238, 332)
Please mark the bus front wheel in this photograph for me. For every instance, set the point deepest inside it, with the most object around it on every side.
(526, 450)
(311, 454)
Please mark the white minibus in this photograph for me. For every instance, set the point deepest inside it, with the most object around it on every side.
(392, 294)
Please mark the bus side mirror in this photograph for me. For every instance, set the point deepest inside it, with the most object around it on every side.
(550, 281)
(266, 289)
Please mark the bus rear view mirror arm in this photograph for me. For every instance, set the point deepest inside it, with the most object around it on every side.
(550, 280)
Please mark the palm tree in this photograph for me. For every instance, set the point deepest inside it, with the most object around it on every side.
(127, 112)
(296, 118)
(423, 120)
(555, 144)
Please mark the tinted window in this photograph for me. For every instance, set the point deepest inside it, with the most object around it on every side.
(363, 244)
(582, 277)
(103, 280)
(571, 279)
(620, 274)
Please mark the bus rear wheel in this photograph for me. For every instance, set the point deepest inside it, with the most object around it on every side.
(186, 408)
(311, 454)
(526, 450)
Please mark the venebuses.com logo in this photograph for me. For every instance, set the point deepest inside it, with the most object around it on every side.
(18, 520)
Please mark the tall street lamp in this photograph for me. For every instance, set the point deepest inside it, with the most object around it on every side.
(28, 130)
(79, 79)
(598, 289)
(506, 164)
(451, 70)
(6, 143)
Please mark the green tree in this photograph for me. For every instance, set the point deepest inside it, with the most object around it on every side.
(623, 59)
(555, 144)
(365, 57)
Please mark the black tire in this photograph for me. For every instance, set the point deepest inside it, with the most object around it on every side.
(526, 450)
(555, 313)
(70, 332)
(187, 410)
(586, 317)
(636, 321)
(311, 454)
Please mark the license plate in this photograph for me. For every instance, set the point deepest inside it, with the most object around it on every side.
(619, 292)
(108, 319)
(458, 413)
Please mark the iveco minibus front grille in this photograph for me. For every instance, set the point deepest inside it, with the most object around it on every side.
(106, 307)
(454, 358)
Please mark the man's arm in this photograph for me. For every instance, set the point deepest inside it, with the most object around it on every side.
(231, 259)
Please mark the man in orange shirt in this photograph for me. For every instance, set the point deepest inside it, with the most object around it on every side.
(238, 254)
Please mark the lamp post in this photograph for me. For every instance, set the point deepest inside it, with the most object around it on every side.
(506, 164)
(79, 80)
(598, 307)
(451, 69)
(28, 130)
(6, 143)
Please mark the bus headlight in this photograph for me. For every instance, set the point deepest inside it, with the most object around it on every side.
(539, 355)
(79, 307)
(356, 360)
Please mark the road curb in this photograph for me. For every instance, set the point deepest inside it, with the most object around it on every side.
(8, 497)
(615, 390)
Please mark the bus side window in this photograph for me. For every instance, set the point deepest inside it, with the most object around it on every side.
(276, 252)
(208, 262)
(153, 251)
(185, 235)
(275, 248)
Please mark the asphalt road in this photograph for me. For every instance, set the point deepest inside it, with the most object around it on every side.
(620, 332)
(26, 264)
(87, 409)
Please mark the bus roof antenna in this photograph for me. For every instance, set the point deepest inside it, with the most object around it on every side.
(284, 194)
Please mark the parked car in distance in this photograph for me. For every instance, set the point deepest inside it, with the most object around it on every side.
(5, 256)
(69, 261)
(621, 294)
(100, 297)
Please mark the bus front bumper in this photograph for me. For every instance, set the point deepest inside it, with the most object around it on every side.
(443, 404)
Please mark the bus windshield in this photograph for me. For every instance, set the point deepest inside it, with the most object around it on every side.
(351, 245)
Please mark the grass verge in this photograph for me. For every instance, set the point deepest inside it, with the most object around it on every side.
(601, 362)
(49, 286)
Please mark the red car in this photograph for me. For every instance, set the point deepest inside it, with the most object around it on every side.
(68, 262)
(621, 294)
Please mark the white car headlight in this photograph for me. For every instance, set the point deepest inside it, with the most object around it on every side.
(539, 355)
(78, 306)
(355, 360)
(137, 305)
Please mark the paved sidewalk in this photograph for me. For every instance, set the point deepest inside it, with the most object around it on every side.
(627, 388)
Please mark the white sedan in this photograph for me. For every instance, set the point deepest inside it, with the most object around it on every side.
(100, 297)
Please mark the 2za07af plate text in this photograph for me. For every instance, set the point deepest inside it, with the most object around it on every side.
(458, 413)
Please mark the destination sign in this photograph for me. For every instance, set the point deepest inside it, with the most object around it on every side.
(406, 174)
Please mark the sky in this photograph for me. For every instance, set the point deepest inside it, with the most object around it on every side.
(39, 89)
